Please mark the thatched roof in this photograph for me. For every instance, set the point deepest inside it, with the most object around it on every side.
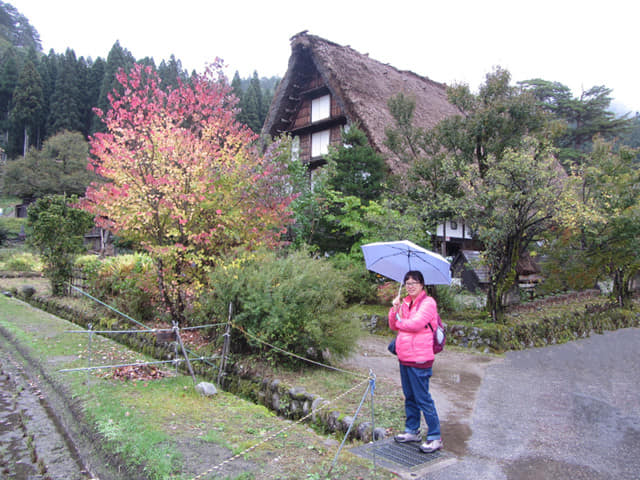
(361, 85)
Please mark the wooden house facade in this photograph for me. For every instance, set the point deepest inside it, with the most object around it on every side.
(328, 87)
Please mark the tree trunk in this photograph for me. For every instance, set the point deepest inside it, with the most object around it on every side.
(104, 238)
(443, 247)
(25, 146)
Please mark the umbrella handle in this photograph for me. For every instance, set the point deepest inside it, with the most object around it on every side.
(399, 293)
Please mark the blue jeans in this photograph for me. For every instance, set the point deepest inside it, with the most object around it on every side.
(415, 386)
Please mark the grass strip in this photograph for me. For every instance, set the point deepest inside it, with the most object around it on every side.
(163, 429)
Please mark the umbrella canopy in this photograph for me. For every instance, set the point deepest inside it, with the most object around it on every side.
(394, 259)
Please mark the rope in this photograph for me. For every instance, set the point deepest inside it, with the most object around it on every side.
(153, 330)
(132, 319)
(271, 437)
(110, 307)
(355, 374)
(176, 360)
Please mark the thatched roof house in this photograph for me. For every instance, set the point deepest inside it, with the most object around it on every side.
(328, 86)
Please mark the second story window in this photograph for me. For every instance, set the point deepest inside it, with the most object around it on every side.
(320, 108)
(320, 143)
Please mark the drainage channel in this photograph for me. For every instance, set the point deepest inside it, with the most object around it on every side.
(403, 459)
(31, 447)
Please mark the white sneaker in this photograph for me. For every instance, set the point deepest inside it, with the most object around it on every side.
(408, 437)
(431, 446)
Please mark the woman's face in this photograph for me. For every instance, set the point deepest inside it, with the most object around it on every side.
(413, 286)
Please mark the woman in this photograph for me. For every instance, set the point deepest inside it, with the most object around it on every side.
(414, 346)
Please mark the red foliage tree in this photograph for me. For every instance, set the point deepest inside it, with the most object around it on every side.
(184, 180)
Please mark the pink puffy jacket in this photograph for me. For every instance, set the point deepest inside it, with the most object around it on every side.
(414, 343)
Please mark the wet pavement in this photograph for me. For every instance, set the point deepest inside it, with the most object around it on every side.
(32, 446)
(565, 411)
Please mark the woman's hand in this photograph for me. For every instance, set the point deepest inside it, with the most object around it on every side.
(396, 303)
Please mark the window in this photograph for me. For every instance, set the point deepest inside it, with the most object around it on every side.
(454, 225)
(320, 143)
(295, 149)
(320, 108)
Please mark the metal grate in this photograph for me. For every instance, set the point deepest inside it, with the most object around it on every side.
(405, 455)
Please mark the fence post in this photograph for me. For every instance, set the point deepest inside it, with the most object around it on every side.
(225, 346)
(89, 353)
(184, 352)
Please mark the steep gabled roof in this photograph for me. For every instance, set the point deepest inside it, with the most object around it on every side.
(360, 84)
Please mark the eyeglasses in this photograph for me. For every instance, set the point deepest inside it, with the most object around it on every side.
(412, 284)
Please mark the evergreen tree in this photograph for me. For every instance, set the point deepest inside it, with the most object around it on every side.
(48, 69)
(9, 73)
(355, 168)
(94, 83)
(118, 58)
(16, 29)
(65, 109)
(251, 105)
(171, 72)
(585, 117)
(491, 167)
(353, 179)
(236, 85)
(28, 105)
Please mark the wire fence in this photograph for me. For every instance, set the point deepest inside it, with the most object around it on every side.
(184, 355)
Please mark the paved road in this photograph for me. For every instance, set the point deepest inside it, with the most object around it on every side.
(565, 411)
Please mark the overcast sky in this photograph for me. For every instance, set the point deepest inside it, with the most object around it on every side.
(580, 43)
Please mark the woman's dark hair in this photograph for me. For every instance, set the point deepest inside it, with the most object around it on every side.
(416, 275)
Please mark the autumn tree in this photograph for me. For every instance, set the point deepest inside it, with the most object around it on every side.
(184, 180)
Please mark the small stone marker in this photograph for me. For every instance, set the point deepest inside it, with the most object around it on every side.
(207, 389)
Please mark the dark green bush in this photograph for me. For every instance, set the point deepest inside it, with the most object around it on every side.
(292, 303)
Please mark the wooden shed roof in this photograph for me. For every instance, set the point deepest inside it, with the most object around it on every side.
(361, 85)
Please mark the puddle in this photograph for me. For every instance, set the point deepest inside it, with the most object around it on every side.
(456, 435)
(541, 468)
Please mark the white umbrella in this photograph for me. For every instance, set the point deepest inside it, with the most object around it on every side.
(394, 259)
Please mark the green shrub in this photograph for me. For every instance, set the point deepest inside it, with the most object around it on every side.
(12, 226)
(126, 282)
(445, 295)
(359, 287)
(292, 303)
(22, 262)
